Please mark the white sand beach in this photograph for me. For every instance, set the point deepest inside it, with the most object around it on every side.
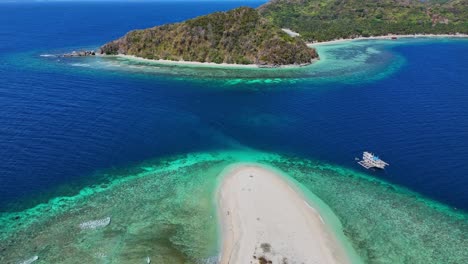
(388, 37)
(264, 219)
(207, 64)
(190, 63)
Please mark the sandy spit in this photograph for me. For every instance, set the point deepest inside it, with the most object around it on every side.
(264, 218)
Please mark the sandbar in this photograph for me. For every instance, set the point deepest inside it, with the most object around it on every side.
(265, 219)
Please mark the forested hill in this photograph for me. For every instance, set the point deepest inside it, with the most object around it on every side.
(320, 20)
(239, 36)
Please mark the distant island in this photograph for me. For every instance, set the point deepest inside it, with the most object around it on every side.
(276, 33)
(239, 36)
(323, 20)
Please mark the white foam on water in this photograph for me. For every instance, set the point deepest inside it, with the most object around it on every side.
(81, 65)
(30, 260)
(95, 223)
(209, 260)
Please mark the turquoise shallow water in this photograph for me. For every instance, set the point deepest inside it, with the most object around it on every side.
(165, 210)
(362, 61)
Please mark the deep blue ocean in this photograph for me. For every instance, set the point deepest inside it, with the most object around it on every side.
(61, 125)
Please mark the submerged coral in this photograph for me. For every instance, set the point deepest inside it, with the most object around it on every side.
(166, 212)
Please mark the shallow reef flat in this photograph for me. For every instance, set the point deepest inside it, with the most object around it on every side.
(347, 62)
(386, 223)
(166, 211)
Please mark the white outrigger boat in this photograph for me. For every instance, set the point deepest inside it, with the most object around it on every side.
(369, 160)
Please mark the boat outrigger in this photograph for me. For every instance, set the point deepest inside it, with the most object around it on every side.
(369, 160)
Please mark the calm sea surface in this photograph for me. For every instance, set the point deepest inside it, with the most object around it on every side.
(62, 122)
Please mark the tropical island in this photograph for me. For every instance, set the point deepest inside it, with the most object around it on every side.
(239, 36)
(276, 33)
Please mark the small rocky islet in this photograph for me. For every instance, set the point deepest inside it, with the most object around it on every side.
(81, 53)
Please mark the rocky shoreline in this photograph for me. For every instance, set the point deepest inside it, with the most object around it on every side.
(82, 53)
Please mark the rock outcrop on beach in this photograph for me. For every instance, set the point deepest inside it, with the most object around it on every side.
(238, 36)
(321, 20)
(82, 53)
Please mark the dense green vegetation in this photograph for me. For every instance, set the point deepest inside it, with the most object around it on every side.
(248, 36)
(238, 36)
(320, 20)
